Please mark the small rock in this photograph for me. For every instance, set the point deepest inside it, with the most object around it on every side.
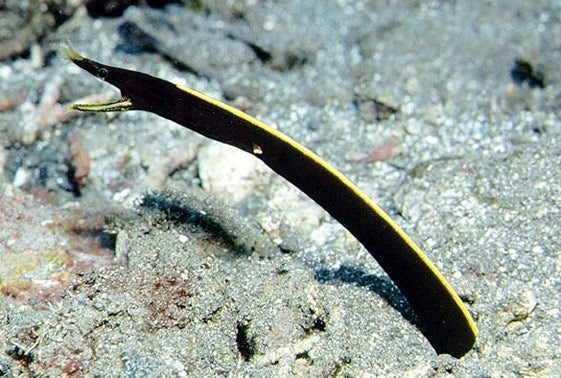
(21, 177)
(229, 172)
(524, 305)
(422, 370)
(161, 166)
(80, 160)
(297, 208)
(2, 161)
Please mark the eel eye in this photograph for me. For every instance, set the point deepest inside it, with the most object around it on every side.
(102, 73)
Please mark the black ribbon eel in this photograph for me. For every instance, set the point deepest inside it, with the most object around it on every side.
(443, 318)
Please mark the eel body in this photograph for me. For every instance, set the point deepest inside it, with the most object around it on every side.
(443, 318)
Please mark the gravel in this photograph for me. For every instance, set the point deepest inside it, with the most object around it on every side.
(170, 255)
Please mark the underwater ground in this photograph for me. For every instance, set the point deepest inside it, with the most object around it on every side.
(130, 246)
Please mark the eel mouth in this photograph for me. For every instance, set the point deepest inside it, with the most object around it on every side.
(121, 105)
(101, 72)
